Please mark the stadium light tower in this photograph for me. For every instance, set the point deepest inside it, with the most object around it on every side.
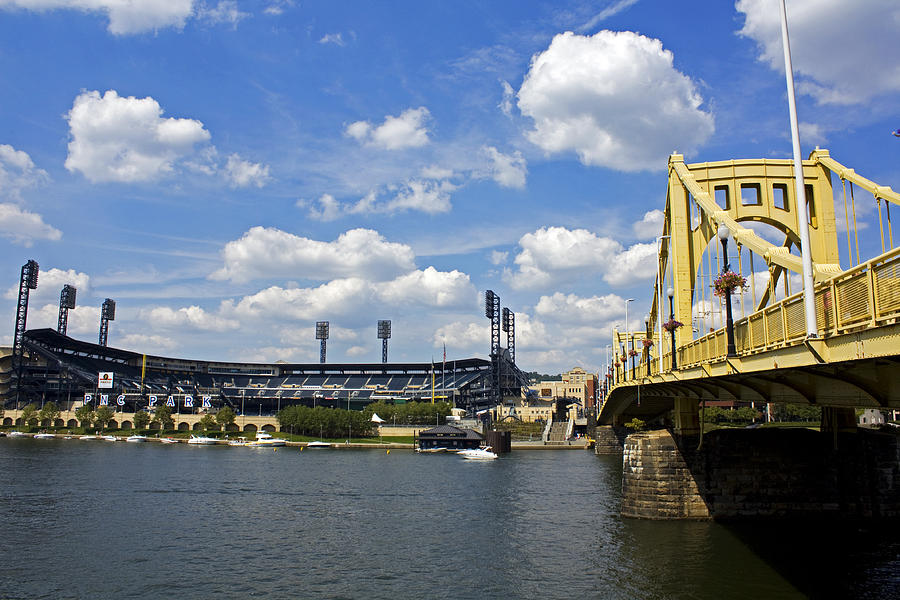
(492, 312)
(509, 326)
(107, 314)
(66, 302)
(322, 334)
(27, 281)
(384, 333)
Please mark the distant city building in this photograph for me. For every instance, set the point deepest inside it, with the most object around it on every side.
(576, 384)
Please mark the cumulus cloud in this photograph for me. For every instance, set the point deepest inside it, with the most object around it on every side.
(81, 320)
(126, 139)
(151, 344)
(50, 283)
(650, 226)
(613, 98)
(423, 195)
(508, 170)
(124, 17)
(554, 255)
(499, 258)
(396, 133)
(333, 38)
(429, 288)
(463, 336)
(830, 72)
(191, 318)
(17, 173)
(506, 104)
(24, 227)
(268, 252)
(243, 173)
(574, 309)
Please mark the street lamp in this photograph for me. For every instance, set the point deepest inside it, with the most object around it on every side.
(671, 294)
(659, 282)
(625, 353)
(729, 322)
(648, 337)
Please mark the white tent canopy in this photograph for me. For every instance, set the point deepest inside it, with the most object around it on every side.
(376, 419)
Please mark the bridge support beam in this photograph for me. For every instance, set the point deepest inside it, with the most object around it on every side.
(837, 419)
(687, 417)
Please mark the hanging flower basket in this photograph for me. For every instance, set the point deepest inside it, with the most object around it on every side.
(671, 325)
(632, 353)
(727, 283)
(647, 343)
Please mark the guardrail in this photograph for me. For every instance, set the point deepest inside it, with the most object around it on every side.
(865, 296)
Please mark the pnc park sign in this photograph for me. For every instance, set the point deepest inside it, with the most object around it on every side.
(188, 401)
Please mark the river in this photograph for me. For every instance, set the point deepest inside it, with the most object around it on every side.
(102, 520)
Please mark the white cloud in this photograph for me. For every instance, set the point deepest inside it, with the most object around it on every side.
(125, 17)
(610, 11)
(554, 255)
(574, 309)
(828, 71)
(508, 170)
(81, 321)
(499, 258)
(50, 283)
(463, 336)
(126, 139)
(242, 173)
(429, 288)
(396, 133)
(812, 133)
(23, 227)
(613, 98)
(226, 11)
(333, 38)
(506, 104)
(17, 172)
(436, 172)
(268, 252)
(191, 318)
(329, 209)
(357, 351)
(650, 226)
(153, 344)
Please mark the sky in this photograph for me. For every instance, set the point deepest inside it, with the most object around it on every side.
(232, 172)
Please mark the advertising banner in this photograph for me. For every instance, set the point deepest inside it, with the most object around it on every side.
(105, 380)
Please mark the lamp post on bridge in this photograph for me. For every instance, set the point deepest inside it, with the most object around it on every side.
(625, 352)
(729, 321)
(649, 339)
(671, 294)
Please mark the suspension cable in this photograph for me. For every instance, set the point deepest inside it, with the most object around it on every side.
(880, 223)
(741, 272)
(847, 221)
(855, 230)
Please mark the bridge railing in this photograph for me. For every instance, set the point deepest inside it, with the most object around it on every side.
(865, 296)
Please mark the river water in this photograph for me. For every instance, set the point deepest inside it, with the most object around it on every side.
(102, 520)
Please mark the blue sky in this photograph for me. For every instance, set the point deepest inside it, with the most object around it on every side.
(231, 172)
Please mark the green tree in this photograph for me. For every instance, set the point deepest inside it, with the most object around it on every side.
(208, 422)
(85, 415)
(636, 425)
(49, 412)
(163, 414)
(141, 419)
(103, 415)
(225, 416)
(29, 415)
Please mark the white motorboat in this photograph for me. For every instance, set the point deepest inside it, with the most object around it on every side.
(16, 434)
(136, 438)
(90, 437)
(110, 438)
(265, 440)
(44, 436)
(238, 442)
(200, 440)
(318, 444)
(167, 440)
(483, 453)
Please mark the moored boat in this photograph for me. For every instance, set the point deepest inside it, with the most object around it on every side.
(318, 444)
(168, 440)
(44, 436)
(201, 440)
(17, 434)
(136, 438)
(265, 440)
(110, 438)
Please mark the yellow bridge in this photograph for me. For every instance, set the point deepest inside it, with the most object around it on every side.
(680, 358)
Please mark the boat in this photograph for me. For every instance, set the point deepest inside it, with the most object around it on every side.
(136, 438)
(110, 438)
(265, 440)
(44, 436)
(16, 434)
(483, 453)
(201, 440)
(168, 440)
(318, 444)
(90, 437)
(238, 442)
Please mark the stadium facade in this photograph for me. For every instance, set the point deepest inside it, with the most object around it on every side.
(70, 372)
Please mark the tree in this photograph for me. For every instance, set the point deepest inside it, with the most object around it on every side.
(208, 422)
(103, 415)
(225, 416)
(141, 419)
(49, 412)
(29, 415)
(85, 415)
(163, 414)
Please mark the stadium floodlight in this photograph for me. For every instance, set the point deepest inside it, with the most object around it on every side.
(504, 321)
(66, 302)
(27, 281)
(384, 329)
(489, 299)
(31, 274)
(322, 334)
(384, 332)
(107, 314)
